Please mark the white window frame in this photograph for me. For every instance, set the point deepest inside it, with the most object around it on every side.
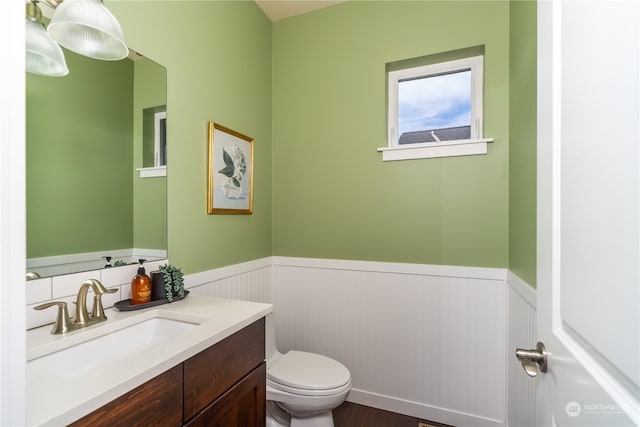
(157, 145)
(157, 170)
(477, 144)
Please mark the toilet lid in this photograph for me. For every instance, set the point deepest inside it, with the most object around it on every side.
(308, 371)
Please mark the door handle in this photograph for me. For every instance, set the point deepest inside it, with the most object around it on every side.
(533, 360)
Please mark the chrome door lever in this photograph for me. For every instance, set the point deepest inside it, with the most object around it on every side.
(532, 360)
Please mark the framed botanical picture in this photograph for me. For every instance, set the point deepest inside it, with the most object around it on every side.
(230, 177)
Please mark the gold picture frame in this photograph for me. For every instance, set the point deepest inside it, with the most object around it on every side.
(230, 171)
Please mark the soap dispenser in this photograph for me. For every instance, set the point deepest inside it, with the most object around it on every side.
(140, 286)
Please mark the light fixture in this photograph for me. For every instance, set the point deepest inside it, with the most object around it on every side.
(43, 55)
(87, 27)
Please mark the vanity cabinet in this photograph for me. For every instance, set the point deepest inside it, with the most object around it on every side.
(224, 385)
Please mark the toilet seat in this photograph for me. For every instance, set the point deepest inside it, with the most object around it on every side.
(275, 389)
(309, 374)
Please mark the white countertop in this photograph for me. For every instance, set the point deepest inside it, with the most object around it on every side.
(55, 402)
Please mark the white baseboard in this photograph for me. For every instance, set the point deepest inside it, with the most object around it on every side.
(420, 410)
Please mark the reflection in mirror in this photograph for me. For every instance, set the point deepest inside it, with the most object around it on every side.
(154, 137)
(87, 205)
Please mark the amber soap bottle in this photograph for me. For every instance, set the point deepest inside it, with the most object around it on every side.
(140, 286)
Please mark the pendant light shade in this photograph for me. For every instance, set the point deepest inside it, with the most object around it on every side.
(87, 27)
(43, 55)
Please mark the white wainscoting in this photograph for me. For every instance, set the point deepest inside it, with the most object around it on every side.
(521, 318)
(249, 281)
(427, 341)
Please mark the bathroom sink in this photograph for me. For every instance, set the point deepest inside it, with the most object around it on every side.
(93, 354)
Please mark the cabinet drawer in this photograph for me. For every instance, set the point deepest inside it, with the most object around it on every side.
(210, 373)
(158, 403)
(244, 405)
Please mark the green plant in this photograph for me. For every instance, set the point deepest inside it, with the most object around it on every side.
(173, 281)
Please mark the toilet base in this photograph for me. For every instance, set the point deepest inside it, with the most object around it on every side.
(277, 417)
(324, 419)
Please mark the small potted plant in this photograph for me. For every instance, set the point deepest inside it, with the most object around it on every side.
(168, 283)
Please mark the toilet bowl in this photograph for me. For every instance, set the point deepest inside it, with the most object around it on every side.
(302, 388)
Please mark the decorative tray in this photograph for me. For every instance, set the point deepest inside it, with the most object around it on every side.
(125, 305)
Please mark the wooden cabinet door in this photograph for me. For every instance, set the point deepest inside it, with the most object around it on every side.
(210, 373)
(244, 405)
(158, 403)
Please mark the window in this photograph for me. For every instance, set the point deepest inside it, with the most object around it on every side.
(435, 110)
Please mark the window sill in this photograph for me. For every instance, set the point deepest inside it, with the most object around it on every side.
(467, 147)
(152, 172)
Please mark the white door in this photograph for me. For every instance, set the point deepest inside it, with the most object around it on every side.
(588, 212)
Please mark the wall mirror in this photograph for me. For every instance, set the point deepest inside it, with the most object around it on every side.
(96, 165)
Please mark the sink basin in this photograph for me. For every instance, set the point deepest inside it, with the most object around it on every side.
(77, 360)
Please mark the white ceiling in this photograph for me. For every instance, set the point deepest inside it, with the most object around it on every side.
(280, 9)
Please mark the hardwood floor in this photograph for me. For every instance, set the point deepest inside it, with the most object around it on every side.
(352, 415)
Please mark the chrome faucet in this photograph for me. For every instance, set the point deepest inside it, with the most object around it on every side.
(82, 318)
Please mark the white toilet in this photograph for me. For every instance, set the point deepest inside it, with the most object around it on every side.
(302, 388)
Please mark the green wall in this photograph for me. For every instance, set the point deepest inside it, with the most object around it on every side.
(321, 189)
(79, 157)
(218, 59)
(333, 197)
(522, 136)
(149, 194)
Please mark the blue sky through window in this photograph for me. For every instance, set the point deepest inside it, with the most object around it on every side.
(434, 102)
